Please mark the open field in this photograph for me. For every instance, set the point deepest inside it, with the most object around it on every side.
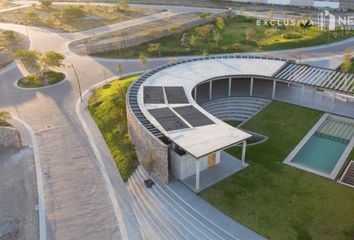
(240, 34)
(108, 111)
(10, 42)
(68, 18)
(278, 201)
(6, 4)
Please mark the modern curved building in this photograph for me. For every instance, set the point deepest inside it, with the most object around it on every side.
(175, 137)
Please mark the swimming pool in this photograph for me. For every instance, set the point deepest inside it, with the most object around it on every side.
(321, 153)
(325, 148)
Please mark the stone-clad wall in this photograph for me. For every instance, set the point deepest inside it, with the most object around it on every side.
(151, 151)
(84, 47)
(9, 137)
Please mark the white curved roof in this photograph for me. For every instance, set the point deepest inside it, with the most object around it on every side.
(203, 140)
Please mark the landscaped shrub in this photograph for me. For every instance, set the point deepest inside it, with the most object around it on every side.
(292, 36)
(72, 12)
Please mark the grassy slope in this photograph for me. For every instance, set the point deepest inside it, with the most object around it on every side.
(279, 201)
(102, 106)
(232, 33)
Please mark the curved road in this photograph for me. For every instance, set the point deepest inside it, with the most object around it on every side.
(78, 204)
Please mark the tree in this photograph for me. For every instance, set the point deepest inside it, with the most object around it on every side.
(220, 23)
(204, 31)
(193, 40)
(119, 67)
(249, 34)
(29, 58)
(172, 60)
(271, 14)
(154, 47)
(122, 5)
(242, 11)
(347, 61)
(50, 59)
(143, 60)
(216, 37)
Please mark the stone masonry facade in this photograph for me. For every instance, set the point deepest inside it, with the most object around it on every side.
(9, 137)
(152, 153)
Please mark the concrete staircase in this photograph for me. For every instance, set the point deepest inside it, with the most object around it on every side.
(235, 108)
(337, 129)
(162, 214)
(348, 175)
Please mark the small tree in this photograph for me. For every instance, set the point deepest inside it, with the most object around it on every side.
(347, 61)
(154, 47)
(204, 31)
(29, 58)
(119, 67)
(9, 35)
(71, 12)
(143, 60)
(249, 34)
(271, 14)
(220, 23)
(172, 60)
(216, 37)
(193, 40)
(50, 59)
(242, 11)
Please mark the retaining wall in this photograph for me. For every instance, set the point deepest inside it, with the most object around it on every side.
(83, 47)
(9, 137)
(151, 152)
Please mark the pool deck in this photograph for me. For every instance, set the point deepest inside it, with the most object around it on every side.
(340, 162)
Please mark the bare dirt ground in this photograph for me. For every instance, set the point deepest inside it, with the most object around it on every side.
(18, 195)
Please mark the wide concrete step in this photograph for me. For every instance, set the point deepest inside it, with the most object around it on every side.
(187, 215)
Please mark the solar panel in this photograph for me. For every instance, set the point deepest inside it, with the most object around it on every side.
(168, 119)
(176, 95)
(193, 116)
(153, 95)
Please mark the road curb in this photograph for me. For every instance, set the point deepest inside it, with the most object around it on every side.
(39, 177)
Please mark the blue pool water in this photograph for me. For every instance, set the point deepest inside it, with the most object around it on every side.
(321, 153)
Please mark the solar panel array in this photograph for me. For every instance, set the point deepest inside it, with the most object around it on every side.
(319, 77)
(168, 119)
(153, 95)
(193, 116)
(176, 95)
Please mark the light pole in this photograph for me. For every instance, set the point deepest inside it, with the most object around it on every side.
(78, 81)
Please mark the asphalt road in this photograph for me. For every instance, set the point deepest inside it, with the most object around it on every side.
(78, 205)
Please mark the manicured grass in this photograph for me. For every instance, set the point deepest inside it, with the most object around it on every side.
(88, 17)
(31, 81)
(108, 111)
(279, 201)
(234, 33)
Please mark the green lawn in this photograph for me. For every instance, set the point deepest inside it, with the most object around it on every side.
(278, 201)
(233, 40)
(108, 111)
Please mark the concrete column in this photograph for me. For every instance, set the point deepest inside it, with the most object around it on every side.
(195, 93)
(230, 85)
(210, 89)
(244, 144)
(197, 172)
(274, 88)
(251, 87)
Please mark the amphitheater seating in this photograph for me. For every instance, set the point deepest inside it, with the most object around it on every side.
(235, 108)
